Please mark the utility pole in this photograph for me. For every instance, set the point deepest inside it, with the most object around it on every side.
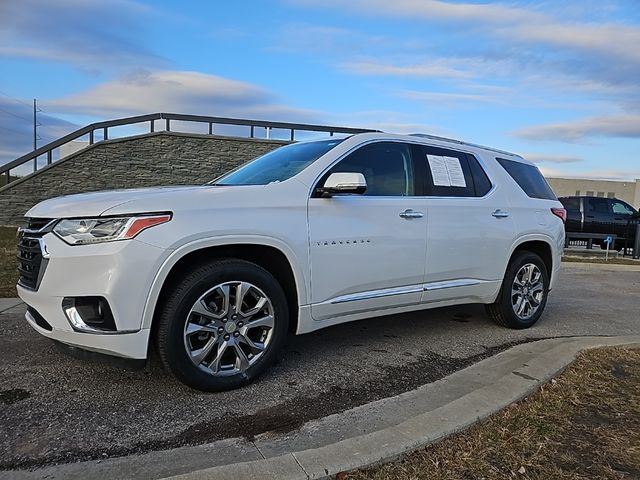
(35, 124)
(35, 134)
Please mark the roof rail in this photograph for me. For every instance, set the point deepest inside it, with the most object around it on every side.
(460, 142)
(167, 117)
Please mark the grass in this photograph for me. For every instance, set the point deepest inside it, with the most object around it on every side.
(583, 425)
(614, 261)
(8, 267)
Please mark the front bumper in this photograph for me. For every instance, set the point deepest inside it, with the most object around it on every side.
(122, 272)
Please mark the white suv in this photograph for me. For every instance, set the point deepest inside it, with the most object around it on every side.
(309, 235)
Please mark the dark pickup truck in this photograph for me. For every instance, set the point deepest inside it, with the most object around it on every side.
(601, 216)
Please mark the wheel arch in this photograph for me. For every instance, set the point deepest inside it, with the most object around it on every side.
(540, 245)
(270, 254)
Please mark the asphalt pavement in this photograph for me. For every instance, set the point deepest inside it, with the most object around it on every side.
(55, 409)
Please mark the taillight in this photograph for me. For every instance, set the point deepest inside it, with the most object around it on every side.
(561, 213)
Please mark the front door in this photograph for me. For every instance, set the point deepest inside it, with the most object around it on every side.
(368, 251)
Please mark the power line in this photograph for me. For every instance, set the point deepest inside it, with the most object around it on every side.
(14, 99)
(12, 130)
(15, 115)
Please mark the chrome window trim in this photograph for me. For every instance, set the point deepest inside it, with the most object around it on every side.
(480, 160)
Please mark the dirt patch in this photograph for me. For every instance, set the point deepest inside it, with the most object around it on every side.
(9, 397)
(585, 424)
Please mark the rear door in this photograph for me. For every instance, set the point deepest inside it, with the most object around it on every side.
(598, 216)
(469, 228)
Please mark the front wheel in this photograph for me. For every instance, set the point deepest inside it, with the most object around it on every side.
(523, 294)
(222, 325)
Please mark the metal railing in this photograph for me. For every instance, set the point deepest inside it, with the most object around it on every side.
(167, 117)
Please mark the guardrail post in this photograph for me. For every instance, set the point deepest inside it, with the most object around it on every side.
(91, 137)
(331, 134)
(8, 177)
(636, 243)
(167, 124)
(49, 157)
(252, 131)
(152, 125)
(210, 128)
(35, 164)
(292, 130)
(105, 134)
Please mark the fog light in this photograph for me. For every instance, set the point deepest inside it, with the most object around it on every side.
(89, 314)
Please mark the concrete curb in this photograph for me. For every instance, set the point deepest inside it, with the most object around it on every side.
(362, 436)
(386, 444)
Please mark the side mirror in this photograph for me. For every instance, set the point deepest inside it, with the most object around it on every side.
(344, 183)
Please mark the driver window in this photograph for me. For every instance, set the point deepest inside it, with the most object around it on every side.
(620, 208)
(386, 166)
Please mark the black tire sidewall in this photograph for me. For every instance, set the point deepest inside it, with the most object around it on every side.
(521, 259)
(183, 298)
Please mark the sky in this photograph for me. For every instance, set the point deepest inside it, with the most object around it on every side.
(558, 82)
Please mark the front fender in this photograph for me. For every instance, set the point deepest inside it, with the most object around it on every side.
(301, 279)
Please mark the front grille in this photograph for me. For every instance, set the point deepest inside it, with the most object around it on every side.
(38, 223)
(30, 262)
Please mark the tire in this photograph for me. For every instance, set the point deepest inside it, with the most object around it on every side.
(503, 310)
(199, 332)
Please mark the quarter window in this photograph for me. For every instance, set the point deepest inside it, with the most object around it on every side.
(529, 178)
(386, 167)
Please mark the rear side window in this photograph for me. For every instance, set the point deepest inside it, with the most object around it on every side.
(571, 203)
(448, 173)
(598, 205)
(529, 178)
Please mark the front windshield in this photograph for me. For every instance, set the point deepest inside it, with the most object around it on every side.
(279, 164)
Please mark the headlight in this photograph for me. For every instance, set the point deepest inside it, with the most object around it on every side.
(82, 231)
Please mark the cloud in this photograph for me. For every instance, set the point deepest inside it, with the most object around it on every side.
(177, 92)
(618, 175)
(433, 10)
(605, 126)
(433, 69)
(520, 42)
(447, 98)
(543, 158)
(89, 34)
(16, 129)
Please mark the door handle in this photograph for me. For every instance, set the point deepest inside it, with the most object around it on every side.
(500, 213)
(409, 213)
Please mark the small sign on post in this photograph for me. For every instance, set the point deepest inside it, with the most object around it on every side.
(608, 241)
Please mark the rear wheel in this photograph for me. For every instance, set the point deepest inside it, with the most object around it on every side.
(222, 325)
(523, 294)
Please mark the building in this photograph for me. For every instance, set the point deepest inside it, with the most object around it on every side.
(628, 191)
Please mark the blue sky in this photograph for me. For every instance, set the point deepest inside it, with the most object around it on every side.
(558, 82)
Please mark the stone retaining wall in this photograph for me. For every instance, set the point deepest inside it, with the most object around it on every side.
(162, 158)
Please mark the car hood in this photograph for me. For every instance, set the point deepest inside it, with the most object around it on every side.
(97, 203)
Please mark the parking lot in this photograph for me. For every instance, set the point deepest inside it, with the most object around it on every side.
(54, 408)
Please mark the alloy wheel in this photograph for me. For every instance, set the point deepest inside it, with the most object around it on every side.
(229, 328)
(527, 291)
